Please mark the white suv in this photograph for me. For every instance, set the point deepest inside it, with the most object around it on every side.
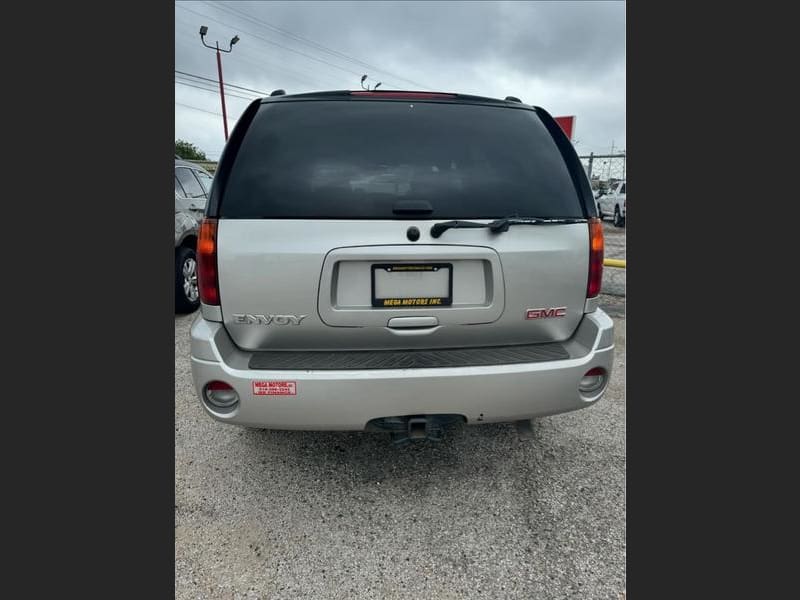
(613, 204)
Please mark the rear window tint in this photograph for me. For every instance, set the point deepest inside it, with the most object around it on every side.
(364, 159)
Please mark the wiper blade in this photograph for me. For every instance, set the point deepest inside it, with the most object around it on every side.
(439, 228)
(500, 225)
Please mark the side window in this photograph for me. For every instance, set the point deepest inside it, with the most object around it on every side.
(205, 181)
(189, 182)
(622, 189)
(179, 188)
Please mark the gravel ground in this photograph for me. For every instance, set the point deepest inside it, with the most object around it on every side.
(277, 514)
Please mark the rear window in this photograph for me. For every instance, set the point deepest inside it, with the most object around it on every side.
(369, 159)
(189, 183)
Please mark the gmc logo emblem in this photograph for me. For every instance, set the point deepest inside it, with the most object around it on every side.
(545, 313)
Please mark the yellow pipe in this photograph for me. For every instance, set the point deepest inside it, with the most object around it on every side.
(613, 262)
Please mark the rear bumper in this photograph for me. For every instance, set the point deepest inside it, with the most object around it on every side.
(348, 399)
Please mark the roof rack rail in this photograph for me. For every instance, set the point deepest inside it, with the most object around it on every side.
(394, 94)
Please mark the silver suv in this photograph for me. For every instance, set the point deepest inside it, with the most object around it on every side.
(192, 186)
(398, 261)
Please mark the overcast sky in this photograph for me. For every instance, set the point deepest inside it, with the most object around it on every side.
(568, 57)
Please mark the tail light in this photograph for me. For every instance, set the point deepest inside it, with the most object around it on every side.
(595, 258)
(207, 280)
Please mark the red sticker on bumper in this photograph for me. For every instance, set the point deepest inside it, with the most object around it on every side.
(274, 388)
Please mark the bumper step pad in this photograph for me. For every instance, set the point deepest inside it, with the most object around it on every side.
(406, 359)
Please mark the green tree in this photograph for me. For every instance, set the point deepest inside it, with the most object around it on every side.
(188, 151)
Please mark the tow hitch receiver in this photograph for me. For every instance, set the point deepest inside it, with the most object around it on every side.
(414, 428)
(418, 428)
(525, 430)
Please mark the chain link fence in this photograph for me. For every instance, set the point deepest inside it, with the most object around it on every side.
(604, 170)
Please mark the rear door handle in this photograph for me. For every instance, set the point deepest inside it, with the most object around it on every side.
(406, 322)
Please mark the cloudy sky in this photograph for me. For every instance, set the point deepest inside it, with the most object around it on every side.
(568, 57)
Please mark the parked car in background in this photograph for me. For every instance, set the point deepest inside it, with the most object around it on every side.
(612, 204)
(352, 284)
(192, 188)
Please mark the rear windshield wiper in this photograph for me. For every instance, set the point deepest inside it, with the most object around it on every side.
(501, 225)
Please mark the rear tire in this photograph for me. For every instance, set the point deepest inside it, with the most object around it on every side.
(187, 296)
(619, 220)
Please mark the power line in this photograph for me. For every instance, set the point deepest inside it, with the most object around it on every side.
(210, 90)
(278, 74)
(297, 73)
(309, 42)
(260, 93)
(199, 109)
(258, 37)
(214, 88)
(337, 85)
(202, 85)
(262, 63)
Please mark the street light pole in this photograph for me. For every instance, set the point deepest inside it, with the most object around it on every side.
(203, 31)
(222, 93)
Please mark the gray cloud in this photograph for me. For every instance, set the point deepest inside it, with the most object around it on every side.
(568, 57)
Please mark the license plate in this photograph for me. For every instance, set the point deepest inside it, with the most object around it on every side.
(412, 285)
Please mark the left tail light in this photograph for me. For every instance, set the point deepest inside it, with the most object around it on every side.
(207, 276)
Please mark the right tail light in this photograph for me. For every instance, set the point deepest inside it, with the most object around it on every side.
(596, 246)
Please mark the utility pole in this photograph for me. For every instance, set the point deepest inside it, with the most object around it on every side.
(608, 173)
(203, 32)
